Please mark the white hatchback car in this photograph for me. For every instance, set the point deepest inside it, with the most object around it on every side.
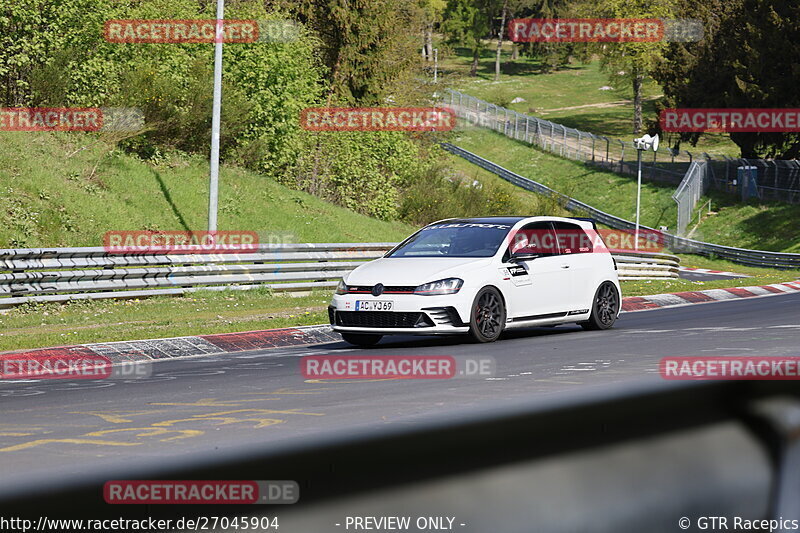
(481, 276)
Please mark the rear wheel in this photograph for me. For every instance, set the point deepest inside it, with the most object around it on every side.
(488, 315)
(361, 339)
(605, 308)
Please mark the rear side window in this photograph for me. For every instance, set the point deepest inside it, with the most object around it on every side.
(572, 239)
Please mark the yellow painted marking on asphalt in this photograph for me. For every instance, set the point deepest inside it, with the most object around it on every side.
(224, 420)
(39, 442)
(151, 432)
(12, 434)
(264, 411)
(114, 418)
(213, 402)
(227, 419)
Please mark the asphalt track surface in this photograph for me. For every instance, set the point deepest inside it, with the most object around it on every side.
(198, 405)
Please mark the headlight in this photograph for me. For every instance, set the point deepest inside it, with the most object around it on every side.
(341, 288)
(443, 286)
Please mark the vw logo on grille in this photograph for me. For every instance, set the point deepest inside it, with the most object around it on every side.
(377, 290)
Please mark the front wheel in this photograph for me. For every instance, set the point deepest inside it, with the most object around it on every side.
(488, 315)
(361, 339)
(605, 308)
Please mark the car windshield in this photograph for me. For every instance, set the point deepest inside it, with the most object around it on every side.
(455, 239)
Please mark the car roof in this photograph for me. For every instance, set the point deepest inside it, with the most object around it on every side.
(482, 220)
(584, 222)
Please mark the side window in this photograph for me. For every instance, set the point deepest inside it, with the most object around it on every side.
(572, 239)
(535, 238)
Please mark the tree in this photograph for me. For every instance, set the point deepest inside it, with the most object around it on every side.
(468, 22)
(432, 11)
(748, 59)
(632, 61)
(369, 46)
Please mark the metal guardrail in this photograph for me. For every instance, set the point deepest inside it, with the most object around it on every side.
(64, 274)
(676, 244)
(777, 180)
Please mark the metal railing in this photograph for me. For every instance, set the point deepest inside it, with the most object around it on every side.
(674, 243)
(773, 180)
(64, 274)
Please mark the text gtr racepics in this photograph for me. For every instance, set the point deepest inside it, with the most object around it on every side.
(481, 276)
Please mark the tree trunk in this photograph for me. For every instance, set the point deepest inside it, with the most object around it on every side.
(500, 33)
(429, 42)
(473, 68)
(637, 101)
(514, 52)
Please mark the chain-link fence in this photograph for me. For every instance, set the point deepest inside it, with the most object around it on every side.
(768, 180)
(694, 185)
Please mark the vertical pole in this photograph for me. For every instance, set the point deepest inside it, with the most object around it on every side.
(213, 181)
(435, 64)
(638, 199)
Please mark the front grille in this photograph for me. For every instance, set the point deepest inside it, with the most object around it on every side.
(382, 319)
(387, 289)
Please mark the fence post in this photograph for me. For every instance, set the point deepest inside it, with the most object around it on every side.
(527, 126)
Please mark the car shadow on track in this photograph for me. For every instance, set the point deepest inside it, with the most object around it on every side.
(419, 341)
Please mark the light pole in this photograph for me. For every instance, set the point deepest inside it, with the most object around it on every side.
(642, 143)
(213, 180)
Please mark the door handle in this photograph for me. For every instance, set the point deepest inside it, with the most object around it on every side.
(565, 265)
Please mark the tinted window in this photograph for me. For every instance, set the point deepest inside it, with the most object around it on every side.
(457, 239)
(536, 238)
(572, 239)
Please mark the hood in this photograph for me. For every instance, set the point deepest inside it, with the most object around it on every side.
(412, 271)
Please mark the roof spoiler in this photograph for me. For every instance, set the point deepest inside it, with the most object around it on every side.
(586, 219)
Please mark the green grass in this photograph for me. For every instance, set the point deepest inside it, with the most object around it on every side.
(69, 189)
(772, 226)
(575, 85)
(610, 192)
(203, 312)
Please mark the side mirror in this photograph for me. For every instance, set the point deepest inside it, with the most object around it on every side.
(523, 257)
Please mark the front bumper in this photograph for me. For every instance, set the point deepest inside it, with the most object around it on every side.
(411, 314)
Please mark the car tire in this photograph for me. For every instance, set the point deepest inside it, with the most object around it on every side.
(488, 316)
(361, 339)
(605, 308)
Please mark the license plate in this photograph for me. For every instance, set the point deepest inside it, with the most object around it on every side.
(374, 305)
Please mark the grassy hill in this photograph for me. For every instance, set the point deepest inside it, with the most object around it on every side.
(578, 95)
(64, 189)
(771, 226)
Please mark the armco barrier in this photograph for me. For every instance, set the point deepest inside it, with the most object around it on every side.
(64, 274)
(675, 243)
